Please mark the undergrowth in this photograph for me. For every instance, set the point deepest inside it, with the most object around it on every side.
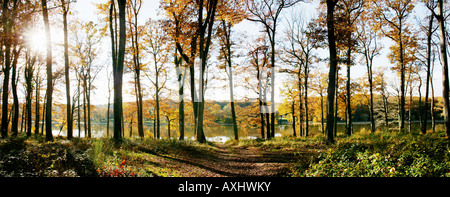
(382, 155)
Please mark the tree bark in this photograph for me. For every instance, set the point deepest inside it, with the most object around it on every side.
(49, 93)
(332, 72)
(15, 119)
(349, 107)
(37, 105)
(180, 78)
(445, 79)
(427, 89)
(118, 73)
(66, 71)
(6, 68)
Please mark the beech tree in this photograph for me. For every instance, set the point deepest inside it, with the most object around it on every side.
(205, 28)
(154, 45)
(49, 59)
(230, 13)
(369, 48)
(118, 62)
(135, 34)
(8, 14)
(65, 6)
(332, 74)
(267, 12)
(392, 23)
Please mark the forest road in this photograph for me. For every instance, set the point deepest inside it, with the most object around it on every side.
(236, 161)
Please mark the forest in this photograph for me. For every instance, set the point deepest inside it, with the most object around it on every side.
(207, 88)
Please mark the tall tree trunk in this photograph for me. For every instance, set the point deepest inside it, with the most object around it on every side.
(227, 31)
(410, 102)
(349, 107)
(79, 107)
(332, 73)
(118, 73)
(300, 96)
(433, 119)
(402, 82)
(37, 105)
(427, 89)
(48, 108)
(6, 68)
(445, 80)
(180, 78)
(85, 111)
(29, 90)
(321, 110)
(370, 78)
(158, 123)
(88, 99)
(293, 119)
(260, 95)
(336, 99)
(15, 120)
(204, 45)
(66, 71)
(108, 108)
(306, 96)
(272, 85)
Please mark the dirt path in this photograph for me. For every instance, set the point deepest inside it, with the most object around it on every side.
(233, 161)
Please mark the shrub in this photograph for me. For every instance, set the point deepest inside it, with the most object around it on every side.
(384, 155)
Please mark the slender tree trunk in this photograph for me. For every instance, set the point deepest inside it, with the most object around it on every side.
(88, 99)
(410, 102)
(108, 108)
(433, 119)
(15, 119)
(402, 82)
(44, 106)
(260, 95)
(263, 122)
(66, 72)
(37, 105)
(85, 112)
(300, 96)
(29, 90)
(445, 80)
(158, 123)
(180, 78)
(79, 108)
(293, 119)
(204, 45)
(370, 78)
(349, 107)
(306, 97)
(336, 103)
(321, 110)
(227, 31)
(272, 85)
(118, 73)
(427, 89)
(6, 68)
(168, 127)
(48, 108)
(332, 73)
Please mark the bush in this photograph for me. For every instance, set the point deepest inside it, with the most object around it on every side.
(384, 155)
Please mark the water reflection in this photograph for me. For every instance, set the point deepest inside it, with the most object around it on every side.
(220, 133)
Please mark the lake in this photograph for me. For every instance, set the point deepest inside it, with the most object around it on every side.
(220, 133)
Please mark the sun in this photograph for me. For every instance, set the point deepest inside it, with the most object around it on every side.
(36, 39)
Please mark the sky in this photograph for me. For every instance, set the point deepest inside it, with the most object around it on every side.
(84, 10)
